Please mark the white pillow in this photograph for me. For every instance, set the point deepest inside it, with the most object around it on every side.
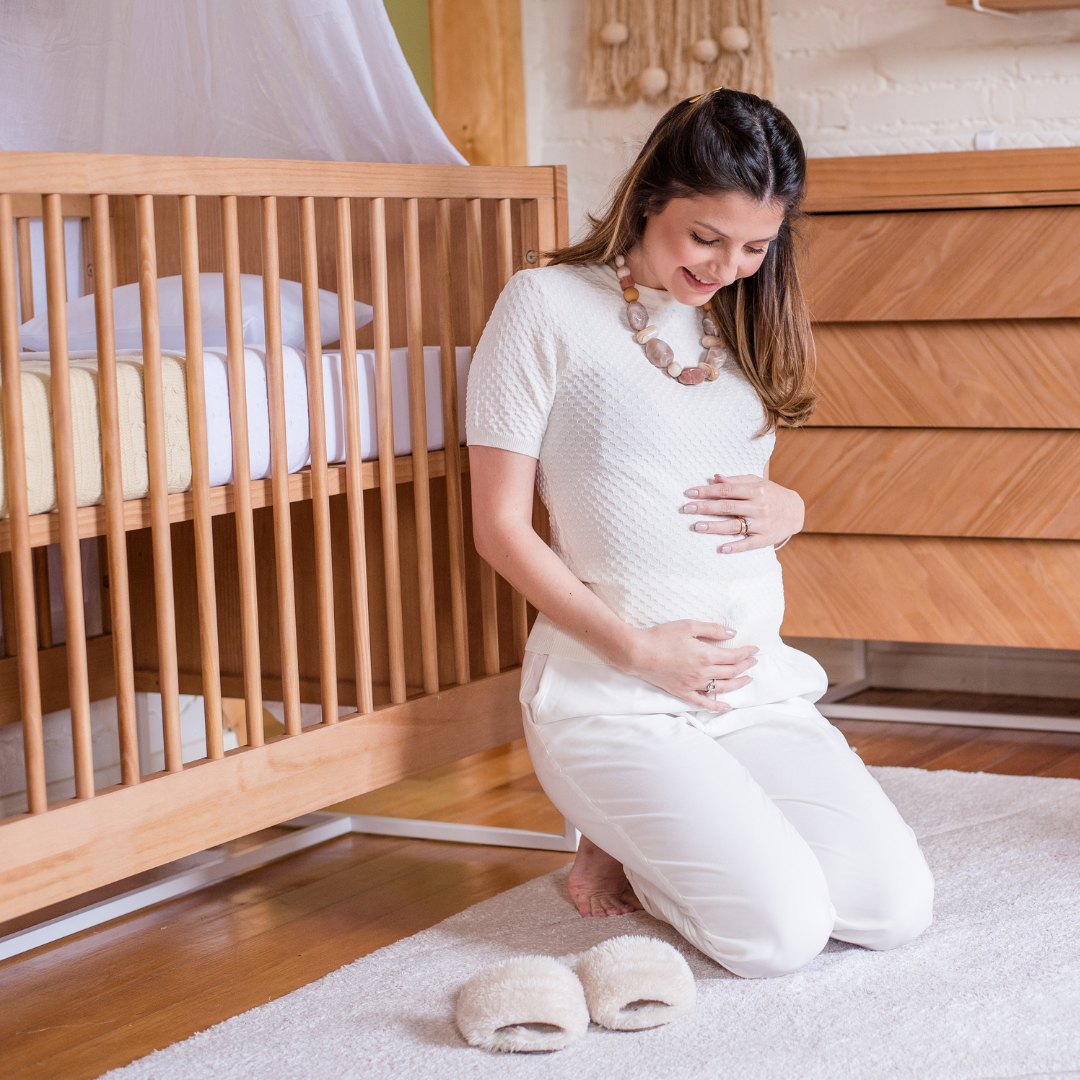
(128, 318)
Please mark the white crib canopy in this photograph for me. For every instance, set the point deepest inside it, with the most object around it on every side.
(311, 79)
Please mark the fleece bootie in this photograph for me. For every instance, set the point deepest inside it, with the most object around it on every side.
(633, 983)
(532, 1004)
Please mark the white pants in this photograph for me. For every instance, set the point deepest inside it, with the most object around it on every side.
(756, 836)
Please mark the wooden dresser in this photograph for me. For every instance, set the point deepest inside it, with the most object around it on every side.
(941, 471)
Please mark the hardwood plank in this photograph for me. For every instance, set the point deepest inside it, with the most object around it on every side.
(993, 373)
(1067, 767)
(128, 830)
(1017, 264)
(969, 592)
(932, 482)
(897, 175)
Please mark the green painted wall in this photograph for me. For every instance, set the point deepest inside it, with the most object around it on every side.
(410, 21)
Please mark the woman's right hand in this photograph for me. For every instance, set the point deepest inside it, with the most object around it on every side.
(683, 657)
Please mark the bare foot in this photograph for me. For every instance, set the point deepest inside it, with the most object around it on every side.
(598, 885)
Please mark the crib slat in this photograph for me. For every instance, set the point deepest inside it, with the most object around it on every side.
(387, 481)
(43, 597)
(279, 468)
(64, 455)
(24, 629)
(451, 426)
(354, 477)
(26, 269)
(157, 470)
(200, 478)
(519, 613)
(320, 495)
(113, 485)
(488, 598)
(418, 425)
(241, 459)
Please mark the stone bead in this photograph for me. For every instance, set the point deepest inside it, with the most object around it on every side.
(630, 295)
(710, 341)
(674, 369)
(646, 335)
(708, 325)
(620, 260)
(626, 281)
(712, 372)
(623, 271)
(637, 316)
(692, 376)
(716, 356)
(660, 353)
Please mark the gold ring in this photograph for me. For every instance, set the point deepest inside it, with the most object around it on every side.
(745, 527)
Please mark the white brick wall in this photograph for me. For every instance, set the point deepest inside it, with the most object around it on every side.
(856, 77)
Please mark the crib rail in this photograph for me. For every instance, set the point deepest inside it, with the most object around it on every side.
(367, 620)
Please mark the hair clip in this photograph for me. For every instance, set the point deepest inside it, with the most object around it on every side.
(708, 93)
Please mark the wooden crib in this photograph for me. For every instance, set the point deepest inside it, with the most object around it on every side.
(353, 585)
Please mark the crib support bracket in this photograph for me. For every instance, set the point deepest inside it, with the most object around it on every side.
(311, 829)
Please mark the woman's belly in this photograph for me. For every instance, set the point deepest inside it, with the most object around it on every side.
(745, 594)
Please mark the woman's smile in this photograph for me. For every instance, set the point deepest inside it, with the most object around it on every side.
(698, 284)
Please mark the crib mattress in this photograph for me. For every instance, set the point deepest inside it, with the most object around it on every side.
(37, 427)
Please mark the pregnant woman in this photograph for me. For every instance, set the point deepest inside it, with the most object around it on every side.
(638, 378)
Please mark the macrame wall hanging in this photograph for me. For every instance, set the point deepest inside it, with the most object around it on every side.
(667, 50)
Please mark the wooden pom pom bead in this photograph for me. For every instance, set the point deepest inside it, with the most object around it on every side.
(630, 295)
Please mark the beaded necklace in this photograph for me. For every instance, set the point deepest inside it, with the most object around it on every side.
(660, 353)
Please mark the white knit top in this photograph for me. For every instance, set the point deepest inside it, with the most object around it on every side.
(558, 376)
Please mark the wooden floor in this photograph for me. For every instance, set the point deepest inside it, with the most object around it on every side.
(98, 1000)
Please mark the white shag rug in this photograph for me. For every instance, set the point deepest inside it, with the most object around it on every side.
(991, 990)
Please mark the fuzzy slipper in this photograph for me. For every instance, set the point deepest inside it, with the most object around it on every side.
(531, 1004)
(633, 983)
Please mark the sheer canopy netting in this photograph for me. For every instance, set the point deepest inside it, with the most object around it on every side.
(309, 79)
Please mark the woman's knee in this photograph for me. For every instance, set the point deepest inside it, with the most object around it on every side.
(899, 911)
(786, 937)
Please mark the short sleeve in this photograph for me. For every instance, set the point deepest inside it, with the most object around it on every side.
(512, 377)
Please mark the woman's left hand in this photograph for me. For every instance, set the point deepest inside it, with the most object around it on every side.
(773, 513)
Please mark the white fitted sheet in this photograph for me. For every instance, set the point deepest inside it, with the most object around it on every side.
(87, 436)
(296, 407)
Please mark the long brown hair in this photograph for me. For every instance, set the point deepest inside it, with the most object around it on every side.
(727, 141)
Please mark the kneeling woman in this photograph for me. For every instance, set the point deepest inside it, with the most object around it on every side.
(664, 715)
